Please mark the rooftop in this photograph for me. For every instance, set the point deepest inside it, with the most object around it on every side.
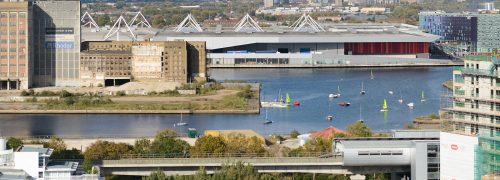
(36, 148)
(62, 166)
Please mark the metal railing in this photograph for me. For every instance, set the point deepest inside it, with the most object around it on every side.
(480, 72)
(224, 155)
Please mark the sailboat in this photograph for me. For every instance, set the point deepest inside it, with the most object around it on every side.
(267, 121)
(330, 116)
(335, 95)
(279, 103)
(287, 99)
(422, 97)
(360, 117)
(384, 106)
(180, 123)
(362, 92)
(411, 105)
(400, 97)
(371, 75)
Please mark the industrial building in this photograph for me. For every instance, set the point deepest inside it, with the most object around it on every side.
(14, 48)
(56, 43)
(463, 33)
(305, 42)
(111, 63)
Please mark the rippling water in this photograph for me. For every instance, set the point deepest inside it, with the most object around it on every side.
(309, 86)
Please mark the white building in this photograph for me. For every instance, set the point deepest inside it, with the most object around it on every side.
(32, 162)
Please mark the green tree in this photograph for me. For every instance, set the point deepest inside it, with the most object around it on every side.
(166, 133)
(175, 147)
(100, 150)
(142, 146)
(358, 129)
(103, 20)
(14, 143)
(208, 144)
(87, 165)
(318, 145)
(67, 154)
(156, 175)
(238, 143)
(56, 143)
(159, 21)
(294, 134)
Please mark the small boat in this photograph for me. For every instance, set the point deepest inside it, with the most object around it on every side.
(344, 103)
(410, 105)
(338, 91)
(391, 93)
(329, 117)
(371, 75)
(384, 106)
(296, 103)
(362, 92)
(422, 97)
(267, 121)
(180, 123)
(333, 96)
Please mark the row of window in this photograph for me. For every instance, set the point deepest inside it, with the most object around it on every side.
(13, 15)
(380, 153)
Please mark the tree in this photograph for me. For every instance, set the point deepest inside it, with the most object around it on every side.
(159, 21)
(208, 144)
(103, 20)
(14, 143)
(87, 165)
(142, 146)
(318, 145)
(237, 170)
(100, 150)
(57, 144)
(156, 175)
(67, 154)
(174, 147)
(358, 129)
(294, 134)
(166, 133)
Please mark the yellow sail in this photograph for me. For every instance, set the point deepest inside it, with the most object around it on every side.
(385, 104)
(288, 100)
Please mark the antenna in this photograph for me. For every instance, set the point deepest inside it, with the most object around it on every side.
(247, 24)
(306, 21)
(189, 24)
(87, 20)
(142, 23)
(117, 27)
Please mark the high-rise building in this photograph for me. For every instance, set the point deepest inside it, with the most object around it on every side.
(14, 45)
(56, 43)
(474, 107)
(465, 32)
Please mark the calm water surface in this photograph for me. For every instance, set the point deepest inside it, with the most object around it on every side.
(309, 86)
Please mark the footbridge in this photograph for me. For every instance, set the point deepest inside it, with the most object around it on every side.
(142, 165)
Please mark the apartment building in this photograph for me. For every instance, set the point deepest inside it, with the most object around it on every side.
(14, 46)
(475, 106)
(115, 63)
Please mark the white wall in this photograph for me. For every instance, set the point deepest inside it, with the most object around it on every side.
(457, 156)
(27, 161)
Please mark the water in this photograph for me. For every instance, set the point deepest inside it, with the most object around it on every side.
(309, 86)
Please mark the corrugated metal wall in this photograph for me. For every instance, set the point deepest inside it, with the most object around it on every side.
(386, 48)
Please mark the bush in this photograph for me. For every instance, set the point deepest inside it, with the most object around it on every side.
(24, 93)
(64, 94)
(14, 143)
(294, 134)
(99, 85)
(46, 93)
(120, 93)
(31, 99)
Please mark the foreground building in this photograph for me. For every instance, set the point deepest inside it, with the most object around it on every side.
(113, 63)
(15, 51)
(465, 33)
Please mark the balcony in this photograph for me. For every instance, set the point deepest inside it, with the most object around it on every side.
(460, 104)
(479, 72)
(460, 92)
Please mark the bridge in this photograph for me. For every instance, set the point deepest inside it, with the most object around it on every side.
(143, 165)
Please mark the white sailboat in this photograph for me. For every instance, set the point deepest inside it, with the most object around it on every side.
(362, 92)
(180, 123)
(400, 97)
(411, 105)
(371, 75)
(335, 95)
(391, 93)
(279, 103)
(267, 121)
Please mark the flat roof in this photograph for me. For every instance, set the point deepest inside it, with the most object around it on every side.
(40, 150)
(62, 165)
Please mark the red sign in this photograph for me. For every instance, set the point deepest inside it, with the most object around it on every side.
(454, 147)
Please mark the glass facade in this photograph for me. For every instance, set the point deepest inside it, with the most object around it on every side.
(56, 39)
